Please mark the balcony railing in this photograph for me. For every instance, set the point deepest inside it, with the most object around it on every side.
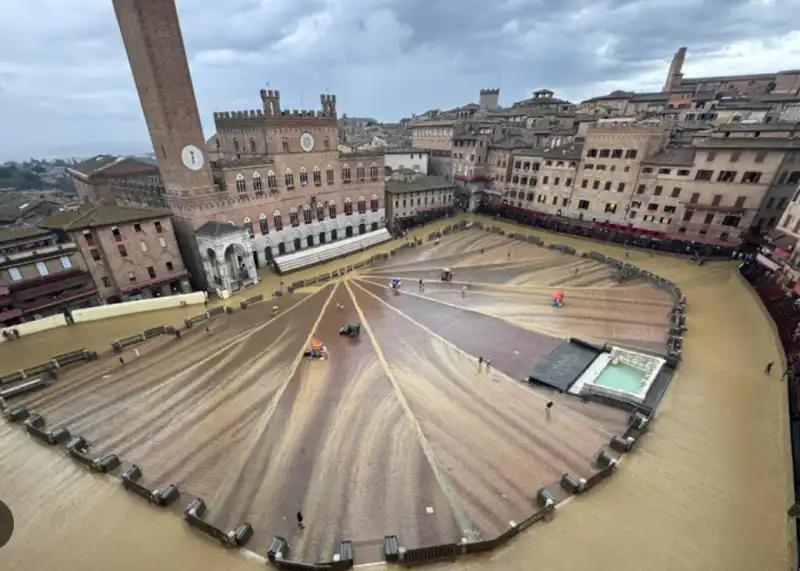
(81, 279)
(56, 249)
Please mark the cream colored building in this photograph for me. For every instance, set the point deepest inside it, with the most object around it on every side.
(131, 252)
(608, 173)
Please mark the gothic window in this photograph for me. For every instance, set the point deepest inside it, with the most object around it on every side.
(320, 211)
(326, 143)
(329, 174)
(252, 145)
(289, 177)
(257, 182)
(248, 225)
(360, 173)
(236, 145)
(272, 181)
(307, 214)
(294, 219)
(374, 203)
(317, 177)
(241, 185)
(348, 207)
(285, 144)
(346, 174)
(303, 176)
(277, 221)
(262, 222)
(362, 205)
(373, 172)
(332, 210)
(217, 143)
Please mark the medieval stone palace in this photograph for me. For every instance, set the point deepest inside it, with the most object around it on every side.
(270, 182)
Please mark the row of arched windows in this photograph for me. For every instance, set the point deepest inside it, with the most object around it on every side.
(237, 147)
(308, 214)
(316, 178)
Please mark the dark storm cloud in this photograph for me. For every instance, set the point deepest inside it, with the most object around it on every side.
(65, 79)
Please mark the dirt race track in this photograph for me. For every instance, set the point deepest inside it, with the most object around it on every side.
(400, 431)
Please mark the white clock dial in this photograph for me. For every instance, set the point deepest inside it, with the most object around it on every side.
(192, 158)
(307, 142)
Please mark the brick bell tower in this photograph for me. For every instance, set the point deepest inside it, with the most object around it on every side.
(153, 41)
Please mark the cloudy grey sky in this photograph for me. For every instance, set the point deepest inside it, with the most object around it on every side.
(66, 88)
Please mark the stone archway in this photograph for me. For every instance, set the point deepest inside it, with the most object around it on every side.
(239, 267)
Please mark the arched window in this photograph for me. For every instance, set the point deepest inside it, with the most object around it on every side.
(252, 145)
(329, 175)
(272, 181)
(360, 173)
(373, 172)
(348, 207)
(241, 185)
(346, 174)
(362, 205)
(235, 145)
(289, 177)
(277, 221)
(374, 203)
(307, 214)
(303, 176)
(326, 143)
(262, 222)
(285, 145)
(217, 143)
(331, 209)
(248, 225)
(257, 182)
(294, 219)
(317, 177)
(320, 211)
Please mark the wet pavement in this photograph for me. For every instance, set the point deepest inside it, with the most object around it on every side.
(673, 498)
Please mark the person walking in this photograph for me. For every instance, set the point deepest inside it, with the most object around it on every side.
(548, 407)
(300, 523)
(768, 369)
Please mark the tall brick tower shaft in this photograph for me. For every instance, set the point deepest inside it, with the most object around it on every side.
(153, 41)
(152, 36)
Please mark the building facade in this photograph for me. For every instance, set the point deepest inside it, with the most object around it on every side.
(41, 275)
(93, 177)
(412, 198)
(131, 253)
(398, 158)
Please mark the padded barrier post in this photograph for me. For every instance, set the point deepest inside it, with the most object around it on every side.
(620, 444)
(17, 414)
(167, 495)
(545, 499)
(278, 549)
(606, 460)
(573, 485)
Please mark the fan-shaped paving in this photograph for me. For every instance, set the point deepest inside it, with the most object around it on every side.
(400, 431)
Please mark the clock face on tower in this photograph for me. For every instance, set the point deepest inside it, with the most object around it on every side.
(307, 142)
(192, 158)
